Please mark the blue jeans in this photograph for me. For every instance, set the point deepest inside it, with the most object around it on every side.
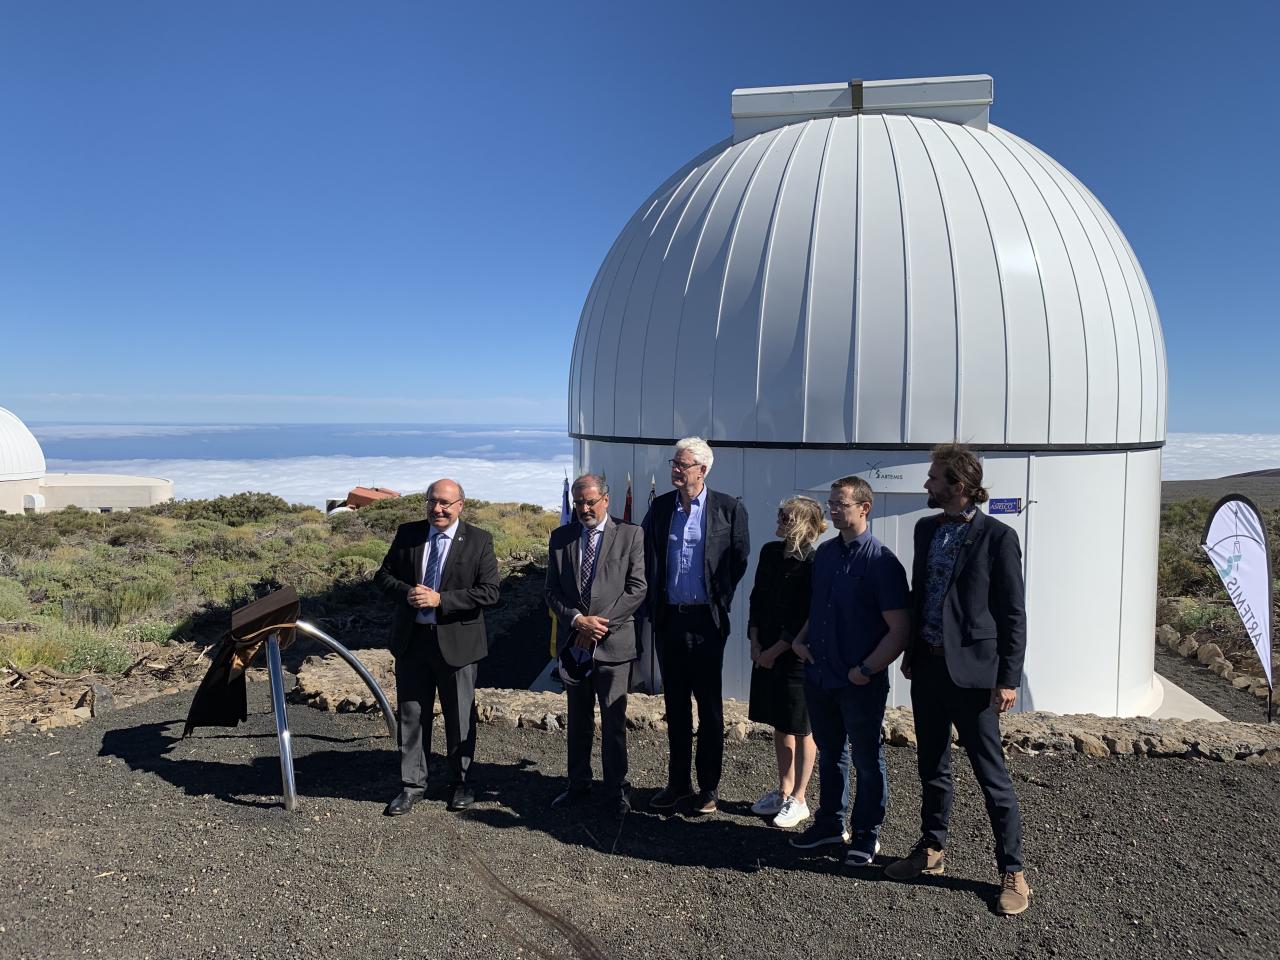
(846, 725)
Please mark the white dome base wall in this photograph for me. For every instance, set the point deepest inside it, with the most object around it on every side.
(1091, 625)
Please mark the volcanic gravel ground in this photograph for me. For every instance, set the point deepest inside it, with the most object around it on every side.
(1209, 688)
(119, 840)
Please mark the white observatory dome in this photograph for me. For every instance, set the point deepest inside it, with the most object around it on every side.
(20, 455)
(865, 270)
(871, 279)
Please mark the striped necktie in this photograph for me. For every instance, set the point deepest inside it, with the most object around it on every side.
(587, 571)
(433, 563)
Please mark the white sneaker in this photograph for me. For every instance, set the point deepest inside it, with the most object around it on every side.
(793, 812)
(769, 804)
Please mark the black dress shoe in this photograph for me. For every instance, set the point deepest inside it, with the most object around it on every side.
(463, 797)
(402, 804)
(571, 796)
(669, 796)
(621, 805)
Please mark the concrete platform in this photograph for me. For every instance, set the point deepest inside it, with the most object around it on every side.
(1177, 704)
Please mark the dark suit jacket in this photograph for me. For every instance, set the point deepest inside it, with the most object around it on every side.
(727, 551)
(468, 584)
(984, 620)
(616, 592)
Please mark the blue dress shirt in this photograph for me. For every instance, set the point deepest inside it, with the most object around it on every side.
(686, 552)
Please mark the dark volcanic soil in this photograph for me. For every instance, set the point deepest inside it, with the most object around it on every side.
(118, 840)
(1209, 688)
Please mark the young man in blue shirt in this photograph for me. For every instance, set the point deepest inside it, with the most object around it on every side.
(859, 623)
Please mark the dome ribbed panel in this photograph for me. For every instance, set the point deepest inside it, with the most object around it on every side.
(876, 280)
(20, 455)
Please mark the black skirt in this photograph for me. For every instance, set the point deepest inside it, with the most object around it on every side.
(777, 696)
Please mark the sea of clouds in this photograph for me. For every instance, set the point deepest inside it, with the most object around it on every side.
(314, 480)
(491, 474)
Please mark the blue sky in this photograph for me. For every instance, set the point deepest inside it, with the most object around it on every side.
(392, 211)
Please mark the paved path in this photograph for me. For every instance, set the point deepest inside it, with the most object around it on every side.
(118, 840)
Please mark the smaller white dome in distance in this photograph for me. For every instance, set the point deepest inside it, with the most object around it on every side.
(20, 455)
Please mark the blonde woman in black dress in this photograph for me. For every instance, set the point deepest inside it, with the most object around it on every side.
(779, 609)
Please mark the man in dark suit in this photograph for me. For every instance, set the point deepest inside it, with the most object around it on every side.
(441, 574)
(595, 584)
(969, 635)
(696, 550)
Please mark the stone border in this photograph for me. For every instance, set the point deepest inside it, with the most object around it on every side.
(1210, 655)
(328, 684)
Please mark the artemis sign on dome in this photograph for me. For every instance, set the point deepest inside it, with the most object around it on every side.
(1235, 539)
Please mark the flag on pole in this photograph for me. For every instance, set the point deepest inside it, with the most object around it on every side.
(1235, 538)
(565, 517)
(626, 510)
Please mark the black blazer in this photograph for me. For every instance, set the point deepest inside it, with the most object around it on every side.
(617, 590)
(468, 584)
(727, 551)
(984, 618)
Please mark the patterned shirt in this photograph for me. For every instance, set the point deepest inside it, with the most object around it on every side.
(686, 552)
(943, 550)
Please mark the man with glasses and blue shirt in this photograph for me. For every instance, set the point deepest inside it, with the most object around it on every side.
(859, 623)
(696, 550)
(441, 574)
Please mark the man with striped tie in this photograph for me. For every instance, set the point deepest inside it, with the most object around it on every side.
(441, 574)
(595, 583)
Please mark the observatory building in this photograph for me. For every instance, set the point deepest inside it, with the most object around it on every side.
(864, 270)
(25, 487)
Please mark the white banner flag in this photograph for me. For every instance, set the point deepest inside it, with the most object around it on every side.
(1236, 541)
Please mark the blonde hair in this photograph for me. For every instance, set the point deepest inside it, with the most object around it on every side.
(807, 525)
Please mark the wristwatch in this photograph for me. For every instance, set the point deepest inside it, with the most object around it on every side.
(862, 669)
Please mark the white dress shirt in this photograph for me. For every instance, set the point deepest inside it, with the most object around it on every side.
(428, 614)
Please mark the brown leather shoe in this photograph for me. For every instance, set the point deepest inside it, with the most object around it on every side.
(924, 858)
(706, 801)
(1015, 895)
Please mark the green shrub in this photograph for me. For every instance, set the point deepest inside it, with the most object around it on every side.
(235, 510)
(372, 549)
(131, 532)
(148, 631)
(89, 648)
(353, 569)
(13, 600)
(1193, 617)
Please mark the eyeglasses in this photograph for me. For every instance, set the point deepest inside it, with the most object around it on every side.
(587, 503)
(433, 502)
(682, 467)
(837, 505)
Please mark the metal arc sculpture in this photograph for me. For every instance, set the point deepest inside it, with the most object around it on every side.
(271, 622)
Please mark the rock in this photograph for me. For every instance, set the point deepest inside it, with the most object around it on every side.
(1168, 636)
(1157, 746)
(1120, 746)
(1187, 647)
(549, 721)
(1221, 667)
(1260, 688)
(737, 732)
(901, 734)
(82, 713)
(1089, 745)
(97, 700)
(1208, 652)
(1241, 682)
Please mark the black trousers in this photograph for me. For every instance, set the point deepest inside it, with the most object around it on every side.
(607, 685)
(421, 674)
(691, 655)
(937, 704)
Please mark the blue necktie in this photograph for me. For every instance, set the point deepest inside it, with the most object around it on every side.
(433, 563)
